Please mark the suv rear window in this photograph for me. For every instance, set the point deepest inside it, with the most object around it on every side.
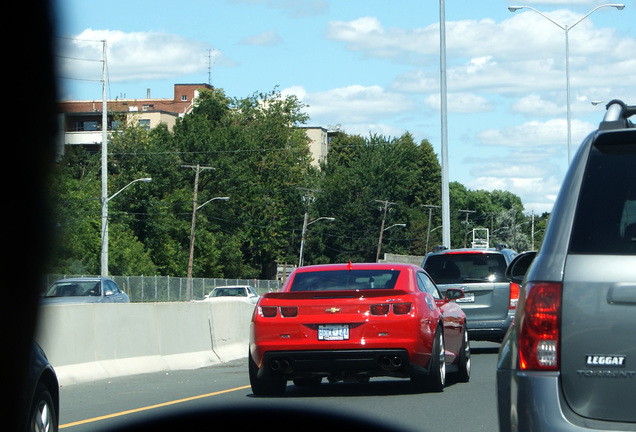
(605, 221)
(466, 267)
(345, 280)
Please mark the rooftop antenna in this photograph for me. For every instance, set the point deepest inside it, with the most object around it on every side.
(210, 67)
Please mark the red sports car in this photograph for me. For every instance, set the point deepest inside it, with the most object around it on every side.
(356, 321)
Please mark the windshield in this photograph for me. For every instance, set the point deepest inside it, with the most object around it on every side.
(470, 267)
(345, 280)
(229, 292)
(74, 289)
(605, 223)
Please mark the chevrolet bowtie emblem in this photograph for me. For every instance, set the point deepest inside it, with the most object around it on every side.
(333, 310)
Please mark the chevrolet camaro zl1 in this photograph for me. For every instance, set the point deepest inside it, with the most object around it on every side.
(357, 321)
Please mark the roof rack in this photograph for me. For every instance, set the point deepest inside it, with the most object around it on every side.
(617, 116)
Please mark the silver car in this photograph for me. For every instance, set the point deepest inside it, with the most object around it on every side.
(488, 302)
(569, 361)
(84, 290)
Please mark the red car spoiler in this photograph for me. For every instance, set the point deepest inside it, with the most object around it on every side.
(307, 295)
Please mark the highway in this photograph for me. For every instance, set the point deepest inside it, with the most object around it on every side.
(109, 404)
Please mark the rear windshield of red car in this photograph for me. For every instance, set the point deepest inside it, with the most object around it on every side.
(345, 280)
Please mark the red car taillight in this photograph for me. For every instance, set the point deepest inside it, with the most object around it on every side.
(384, 308)
(289, 311)
(380, 309)
(285, 311)
(539, 327)
(269, 311)
(401, 308)
(514, 295)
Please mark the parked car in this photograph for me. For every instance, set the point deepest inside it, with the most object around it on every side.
(569, 361)
(42, 394)
(84, 290)
(489, 299)
(243, 292)
(357, 321)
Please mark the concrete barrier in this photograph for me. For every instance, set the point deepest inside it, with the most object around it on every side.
(94, 341)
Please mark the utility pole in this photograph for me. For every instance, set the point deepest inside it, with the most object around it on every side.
(197, 169)
(466, 223)
(532, 229)
(104, 248)
(386, 206)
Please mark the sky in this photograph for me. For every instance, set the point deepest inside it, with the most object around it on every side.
(373, 67)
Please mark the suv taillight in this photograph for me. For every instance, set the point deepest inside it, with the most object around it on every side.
(514, 295)
(539, 327)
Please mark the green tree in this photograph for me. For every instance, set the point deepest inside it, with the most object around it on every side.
(359, 176)
(501, 212)
(75, 189)
(260, 158)
(255, 152)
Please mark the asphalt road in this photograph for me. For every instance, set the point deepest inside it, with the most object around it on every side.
(110, 404)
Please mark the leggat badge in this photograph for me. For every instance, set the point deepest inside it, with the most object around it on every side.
(605, 360)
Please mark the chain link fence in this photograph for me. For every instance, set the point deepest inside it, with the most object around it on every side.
(173, 289)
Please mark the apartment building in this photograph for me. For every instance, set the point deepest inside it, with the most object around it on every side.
(81, 121)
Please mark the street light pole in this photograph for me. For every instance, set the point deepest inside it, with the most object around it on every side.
(377, 256)
(428, 230)
(567, 29)
(443, 95)
(105, 201)
(192, 231)
(302, 236)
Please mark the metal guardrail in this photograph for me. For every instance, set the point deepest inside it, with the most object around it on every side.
(173, 289)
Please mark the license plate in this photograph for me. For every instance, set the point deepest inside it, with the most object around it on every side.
(330, 332)
(468, 298)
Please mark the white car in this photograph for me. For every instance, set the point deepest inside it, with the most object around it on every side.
(242, 292)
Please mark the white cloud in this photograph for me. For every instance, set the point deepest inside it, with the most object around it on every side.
(532, 134)
(519, 55)
(536, 106)
(135, 55)
(267, 38)
(366, 35)
(354, 104)
(539, 193)
(462, 103)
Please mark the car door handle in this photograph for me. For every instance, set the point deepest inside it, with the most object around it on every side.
(622, 293)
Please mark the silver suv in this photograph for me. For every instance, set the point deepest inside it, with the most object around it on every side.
(569, 360)
(488, 302)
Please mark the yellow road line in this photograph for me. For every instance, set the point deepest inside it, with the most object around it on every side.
(150, 407)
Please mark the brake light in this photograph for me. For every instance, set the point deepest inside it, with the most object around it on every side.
(514, 295)
(401, 308)
(385, 308)
(285, 311)
(269, 311)
(539, 327)
(379, 309)
(289, 311)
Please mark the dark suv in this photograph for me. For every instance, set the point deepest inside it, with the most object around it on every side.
(569, 360)
(488, 301)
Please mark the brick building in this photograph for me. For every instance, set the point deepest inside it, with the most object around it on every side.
(81, 121)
